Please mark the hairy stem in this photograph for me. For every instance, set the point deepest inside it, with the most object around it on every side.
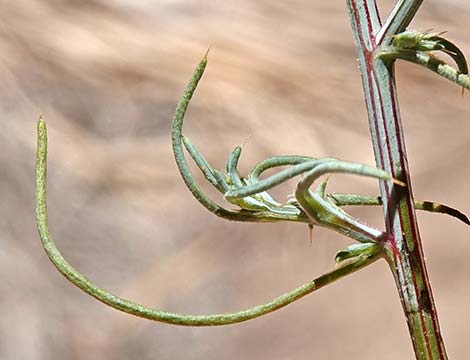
(130, 307)
(430, 62)
(404, 249)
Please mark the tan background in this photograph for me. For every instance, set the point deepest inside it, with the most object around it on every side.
(107, 75)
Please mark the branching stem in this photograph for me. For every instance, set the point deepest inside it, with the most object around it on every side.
(78, 279)
(399, 244)
(403, 246)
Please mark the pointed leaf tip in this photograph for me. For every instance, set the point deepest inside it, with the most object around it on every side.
(207, 52)
(41, 122)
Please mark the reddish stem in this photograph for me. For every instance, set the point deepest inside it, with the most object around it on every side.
(404, 251)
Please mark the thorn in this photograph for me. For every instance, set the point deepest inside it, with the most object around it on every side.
(325, 184)
(449, 52)
(310, 232)
(398, 182)
(245, 141)
(207, 52)
(430, 32)
(289, 199)
(327, 178)
(41, 119)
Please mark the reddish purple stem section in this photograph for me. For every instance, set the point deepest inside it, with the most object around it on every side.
(404, 251)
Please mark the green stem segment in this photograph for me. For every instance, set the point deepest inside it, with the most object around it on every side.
(78, 279)
(399, 19)
(429, 61)
(404, 251)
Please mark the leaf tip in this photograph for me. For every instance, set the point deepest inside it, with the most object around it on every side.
(41, 123)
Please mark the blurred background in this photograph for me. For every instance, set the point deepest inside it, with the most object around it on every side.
(282, 79)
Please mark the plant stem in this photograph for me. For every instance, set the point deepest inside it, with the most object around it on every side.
(130, 307)
(399, 18)
(428, 61)
(403, 246)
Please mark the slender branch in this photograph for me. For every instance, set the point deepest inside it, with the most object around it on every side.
(78, 279)
(398, 20)
(365, 200)
(179, 142)
(430, 62)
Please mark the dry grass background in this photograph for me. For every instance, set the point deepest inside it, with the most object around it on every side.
(107, 75)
